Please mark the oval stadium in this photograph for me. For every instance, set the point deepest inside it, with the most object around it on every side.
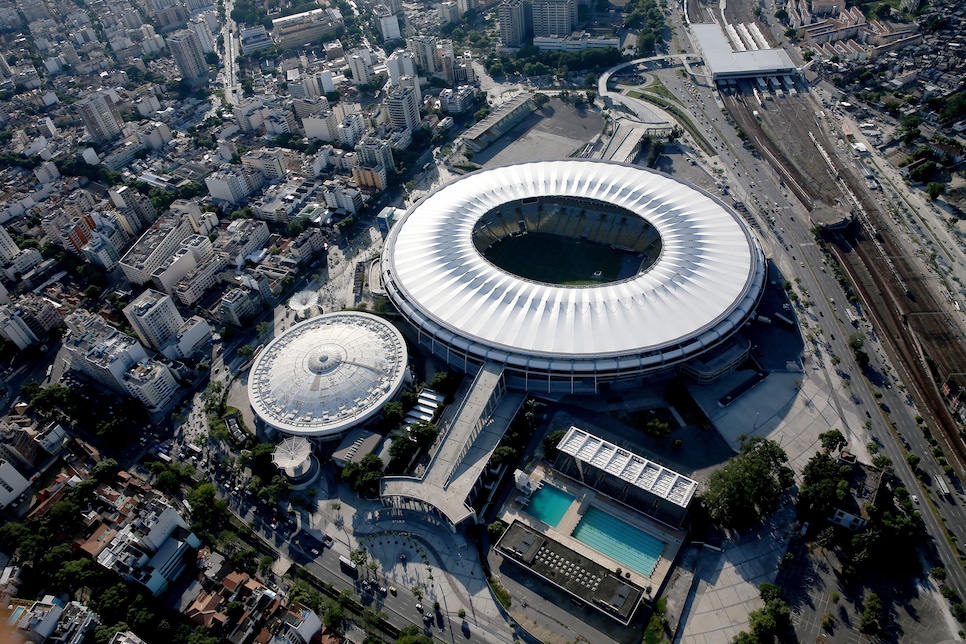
(572, 273)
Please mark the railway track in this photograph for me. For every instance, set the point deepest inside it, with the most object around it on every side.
(914, 323)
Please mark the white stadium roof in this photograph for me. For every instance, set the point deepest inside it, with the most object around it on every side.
(328, 374)
(706, 281)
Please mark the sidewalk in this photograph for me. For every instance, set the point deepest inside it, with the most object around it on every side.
(443, 564)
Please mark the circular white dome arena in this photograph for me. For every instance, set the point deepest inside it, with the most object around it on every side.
(328, 374)
(689, 272)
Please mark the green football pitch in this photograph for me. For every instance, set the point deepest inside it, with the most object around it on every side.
(554, 259)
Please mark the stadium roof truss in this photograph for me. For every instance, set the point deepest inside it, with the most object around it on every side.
(636, 470)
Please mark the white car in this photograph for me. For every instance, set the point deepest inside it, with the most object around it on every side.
(915, 499)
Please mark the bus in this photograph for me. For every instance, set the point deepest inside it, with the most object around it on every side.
(349, 567)
(942, 486)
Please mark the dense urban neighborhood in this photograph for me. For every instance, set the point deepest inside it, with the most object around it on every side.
(482, 321)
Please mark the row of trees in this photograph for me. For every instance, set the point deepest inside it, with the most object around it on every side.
(770, 623)
(57, 402)
(363, 477)
(648, 18)
(533, 61)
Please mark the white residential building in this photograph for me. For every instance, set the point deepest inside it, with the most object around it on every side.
(201, 279)
(101, 117)
(154, 317)
(152, 383)
(426, 53)
(323, 126)
(154, 248)
(200, 26)
(153, 548)
(8, 247)
(254, 38)
(269, 161)
(194, 250)
(242, 238)
(12, 483)
(448, 12)
(360, 64)
(237, 305)
(403, 107)
(372, 152)
(99, 350)
(250, 114)
(351, 128)
(14, 329)
(388, 23)
(233, 184)
(400, 63)
(193, 335)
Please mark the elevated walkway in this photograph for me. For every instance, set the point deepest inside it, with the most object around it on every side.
(454, 474)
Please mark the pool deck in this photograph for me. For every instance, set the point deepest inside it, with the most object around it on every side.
(586, 497)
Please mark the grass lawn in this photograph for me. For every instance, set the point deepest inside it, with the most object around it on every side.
(554, 259)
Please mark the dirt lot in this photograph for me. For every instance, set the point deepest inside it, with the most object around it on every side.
(557, 131)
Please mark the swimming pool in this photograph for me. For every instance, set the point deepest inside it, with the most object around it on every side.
(549, 504)
(17, 612)
(619, 540)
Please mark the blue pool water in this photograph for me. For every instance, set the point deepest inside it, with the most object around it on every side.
(17, 612)
(619, 540)
(549, 504)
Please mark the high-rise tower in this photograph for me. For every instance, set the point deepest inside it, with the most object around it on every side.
(186, 49)
(101, 117)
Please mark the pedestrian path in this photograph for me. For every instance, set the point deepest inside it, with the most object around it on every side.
(443, 566)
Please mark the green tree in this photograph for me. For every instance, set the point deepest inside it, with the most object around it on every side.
(334, 616)
(745, 638)
(233, 611)
(504, 455)
(104, 471)
(833, 441)
(550, 443)
(826, 538)
(935, 189)
(871, 615)
(424, 433)
(882, 462)
(112, 604)
(825, 484)
(411, 635)
(12, 534)
(393, 414)
(104, 634)
(750, 485)
(495, 530)
(363, 477)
